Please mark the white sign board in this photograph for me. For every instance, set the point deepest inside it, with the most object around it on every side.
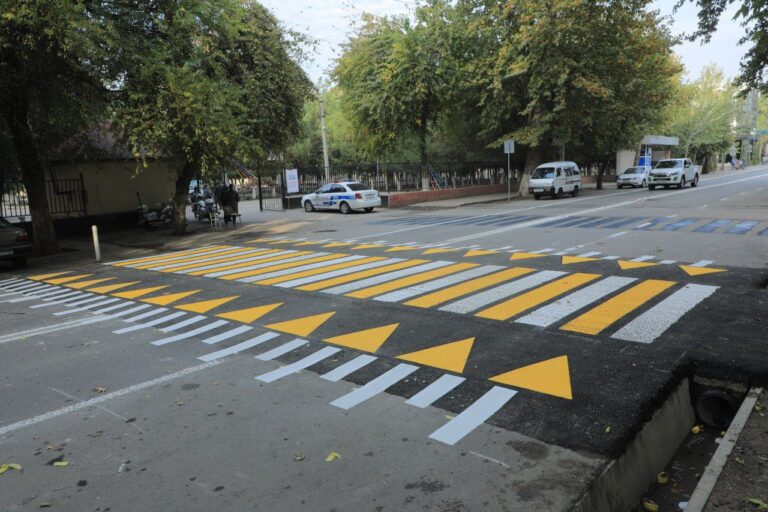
(292, 181)
(509, 146)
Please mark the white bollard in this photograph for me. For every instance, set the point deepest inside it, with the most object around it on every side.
(96, 247)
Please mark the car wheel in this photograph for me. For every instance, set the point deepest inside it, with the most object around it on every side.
(575, 191)
(644, 184)
(536, 196)
(19, 262)
(558, 194)
(344, 207)
(695, 182)
(682, 182)
(368, 210)
(308, 206)
(619, 187)
(651, 187)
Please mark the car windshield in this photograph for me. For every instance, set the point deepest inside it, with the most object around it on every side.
(633, 170)
(543, 172)
(356, 186)
(669, 164)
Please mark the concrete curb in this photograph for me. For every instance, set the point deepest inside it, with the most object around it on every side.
(712, 472)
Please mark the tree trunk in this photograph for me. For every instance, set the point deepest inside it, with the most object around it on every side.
(533, 159)
(423, 156)
(181, 196)
(43, 231)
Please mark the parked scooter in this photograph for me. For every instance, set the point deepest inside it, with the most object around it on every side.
(163, 213)
(204, 209)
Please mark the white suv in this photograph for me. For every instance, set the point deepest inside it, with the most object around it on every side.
(674, 171)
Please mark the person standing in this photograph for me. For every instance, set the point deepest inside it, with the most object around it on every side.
(229, 200)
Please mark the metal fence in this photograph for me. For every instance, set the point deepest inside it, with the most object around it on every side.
(65, 197)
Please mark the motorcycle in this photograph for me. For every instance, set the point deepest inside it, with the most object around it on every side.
(204, 209)
(162, 214)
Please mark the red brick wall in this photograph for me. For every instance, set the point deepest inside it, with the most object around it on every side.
(406, 198)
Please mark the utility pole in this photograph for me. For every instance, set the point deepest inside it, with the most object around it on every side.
(325, 143)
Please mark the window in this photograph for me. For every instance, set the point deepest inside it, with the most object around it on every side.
(543, 173)
(324, 189)
(337, 189)
(356, 186)
(559, 173)
(687, 164)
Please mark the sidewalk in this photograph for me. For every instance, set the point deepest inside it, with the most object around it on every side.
(483, 199)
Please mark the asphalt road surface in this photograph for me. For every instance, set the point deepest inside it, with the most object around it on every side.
(493, 357)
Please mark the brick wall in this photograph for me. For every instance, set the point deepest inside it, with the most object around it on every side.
(406, 198)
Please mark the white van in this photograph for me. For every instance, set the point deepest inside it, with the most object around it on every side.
(555, 179)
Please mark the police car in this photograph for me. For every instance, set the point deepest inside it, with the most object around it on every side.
(344, 196)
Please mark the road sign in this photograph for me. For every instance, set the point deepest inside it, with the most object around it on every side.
(292, 180)
(509, 146)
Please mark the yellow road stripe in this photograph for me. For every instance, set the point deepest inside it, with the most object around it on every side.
(315, 271)
(282, 266)
(517, 305)
(360, 275)
(439, 297)
(278, 242)
(597, 319)
(168, 256)
(237, 257)
(249, 263)
(190, 258)
(407, 281)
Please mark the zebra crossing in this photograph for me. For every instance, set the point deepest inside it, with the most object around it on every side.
(645, 223)
(572, 302)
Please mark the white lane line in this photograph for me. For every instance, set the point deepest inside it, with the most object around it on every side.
(21, 288)
(238, 262)
(620, 233)
(9, 294)
(200, 263)
(86, 308)
(39, 331)
(588, 254)
(189, 334)
(102, 398)
(234, 349)
(227, 334)
(667, 262)
(419, 289)
(364, 283)
(129, 311)
(50, 294)
(301, 268)
(79, 301)
(542, 251)
(335, 273)
(473, 416)
(7, 282)
(642, 258)
(20, 284)
(282, 349)
(610, 258)
(123, 304)
(702, 263)
(188, 251)
(481, 299)
(651, 324)
(374, 387)
(266, 264)
(157, 321)
(19, 299)
(645, 224)
(299, 365)
(183, 323)
(434, 391)
(61, 299)
(148, 314)
(348, 368)
(571, 303)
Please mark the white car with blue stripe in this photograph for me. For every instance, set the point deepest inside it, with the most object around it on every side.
(344, 196)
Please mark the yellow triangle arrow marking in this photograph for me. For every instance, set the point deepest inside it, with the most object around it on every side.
(551, 377)
(206, 305)
(132, 294)
(91, 282)
(700, 271)
(479, 252)
(336, 244)
(628, 265)
(247, 316)
(164, 300)
(527, 255)
(46, 276)
(567, 260)
(62, 280)
(439, 250)
(111, 287)
(302, 326)
(450, 356)
(366, 246)
(401, 248)
(369, 340)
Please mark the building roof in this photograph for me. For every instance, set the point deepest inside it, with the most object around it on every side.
(100, 142)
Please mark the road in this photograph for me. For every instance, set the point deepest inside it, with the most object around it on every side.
(490, 357)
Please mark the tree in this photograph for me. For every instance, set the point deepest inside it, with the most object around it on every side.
(54, 64)
(210, 81)
(753, 15)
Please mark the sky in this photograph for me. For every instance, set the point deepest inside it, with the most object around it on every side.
(330, 21)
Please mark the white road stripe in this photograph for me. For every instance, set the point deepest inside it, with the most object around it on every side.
(199, 264)
(61, 299)
(157, 321)
(82, 301)
(140, 307)
(27, 286)
(206, 254)
(419, 289)
(620, 233)
(234, 349)
(481, 299)
(142, 316)
(87, 307)
(7, 282)
(238, 262)
(39, 331)
(702, 263)
(335, 273)
(642, 258)
(301, 268)
(667, 262)
(102, 398)
(542, 251)
(434, 391)
(473, 416)
(371, 281)
(348, 368)
(227, 334)
(282, 349)
(265, 265)
(189, 334)
(183, 323)
(588, 254)
(112, 308)
(169, 254)
(54, 294)
(551, 313)
(299, 365)
(610, 258)
(651, 324)
(374, 387)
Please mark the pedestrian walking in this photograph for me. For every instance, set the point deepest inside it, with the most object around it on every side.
(229, 200)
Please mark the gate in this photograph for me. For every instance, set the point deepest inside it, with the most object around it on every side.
(271, 192)
(66, 197)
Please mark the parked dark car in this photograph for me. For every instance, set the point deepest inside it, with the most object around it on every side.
(15, 245)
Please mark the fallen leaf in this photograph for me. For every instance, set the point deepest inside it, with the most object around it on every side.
(607, 430)
(761, 505)
(61, 463)
(332, 456)
(99, 389)
(740, 461)
(10, 465)
(298, 457)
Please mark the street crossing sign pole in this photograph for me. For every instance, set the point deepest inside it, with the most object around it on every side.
(509, 148)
